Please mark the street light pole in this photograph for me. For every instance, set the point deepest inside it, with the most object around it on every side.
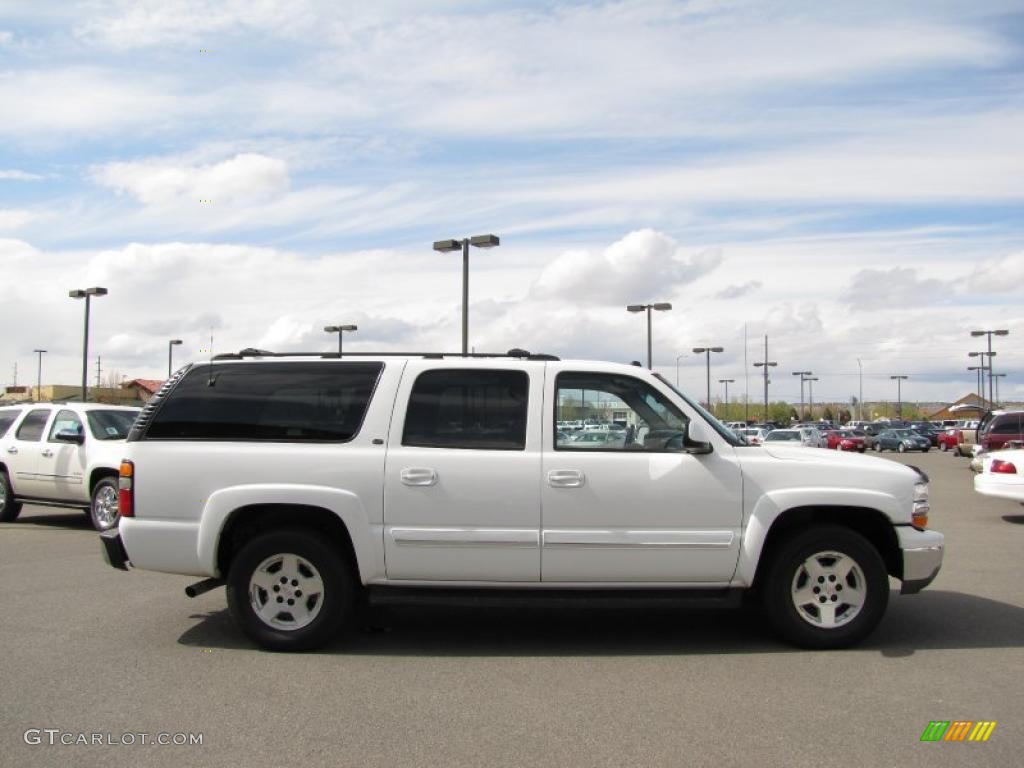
(87, 294)
(765, 364)
(340, 329)
(678, 358)
(977, 381)
(990, 334)
(899, 395)
(810, 392)
(802, 374)
(170, 355)
(446, 246)
(39, 374)
(997, 377)
(707, 352)
(660, 306)
(860, 391)
(727, 382)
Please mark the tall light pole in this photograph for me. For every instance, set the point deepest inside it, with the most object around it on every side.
(727, 382)
(997, 377)
(446, 246)
(340, 329)
(660, 306)
(678, 358)
(87, 294)
(977, 381)
(810, 392)
(706, 351)
(39, 374)
(990, 334)
(765, 364)
(899, 394)
(984, 367)
(802, 374)
(170, 355)
(860, 391)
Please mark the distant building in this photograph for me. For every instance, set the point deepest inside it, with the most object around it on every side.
(142, 389)
(968, 406)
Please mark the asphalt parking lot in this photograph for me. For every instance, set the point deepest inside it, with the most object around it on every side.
(87, 649)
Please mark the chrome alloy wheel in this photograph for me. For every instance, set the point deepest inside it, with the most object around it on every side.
(286, 592)
(104, 507)
(828, 590)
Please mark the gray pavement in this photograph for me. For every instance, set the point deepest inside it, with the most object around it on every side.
(650, 683)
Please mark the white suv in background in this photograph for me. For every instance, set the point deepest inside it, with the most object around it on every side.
(63, 454)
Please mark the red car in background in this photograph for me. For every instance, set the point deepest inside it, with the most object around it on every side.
(950, 438)
(846, 440)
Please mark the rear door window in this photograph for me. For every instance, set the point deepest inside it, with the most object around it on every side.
(6, 419)
(279, 401)
(31, 429)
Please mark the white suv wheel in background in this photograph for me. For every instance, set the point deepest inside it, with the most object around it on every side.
(103, 511)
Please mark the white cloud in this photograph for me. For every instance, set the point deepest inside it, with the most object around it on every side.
(1000, 275)
(15, 218)
(641, 267)
(244, 178)
(738, 291)
(894, 289)
(17, 175)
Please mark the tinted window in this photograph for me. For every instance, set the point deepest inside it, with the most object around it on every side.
(32, 427)
(1005, 425)
(468, 409)
(652, 422)
(301, 401)
(66, 421)
(6, 419)
(110, 425)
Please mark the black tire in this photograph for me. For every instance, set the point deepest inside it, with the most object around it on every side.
(332, 606)
(878, 448)
(789, 568)
(943, 447)
(925, 450)
(901, 448)
(101, 513)
(9, 508)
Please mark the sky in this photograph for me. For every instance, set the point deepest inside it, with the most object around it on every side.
(845, 178)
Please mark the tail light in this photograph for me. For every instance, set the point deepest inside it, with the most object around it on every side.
(1003, 467)
(126, 489)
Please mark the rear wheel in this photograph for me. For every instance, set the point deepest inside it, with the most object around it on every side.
(288, 590)
(9, 508)
(827, 588)
(943, 447)
(901, 448)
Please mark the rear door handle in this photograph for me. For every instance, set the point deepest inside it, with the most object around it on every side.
(565, 478)
(47, 453)
(12, 449)
(418, 476)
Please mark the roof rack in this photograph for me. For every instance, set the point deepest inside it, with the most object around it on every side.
(520, 354)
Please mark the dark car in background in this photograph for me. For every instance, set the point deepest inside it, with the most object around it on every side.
(902, 440)
(995, 432)
(927, 429)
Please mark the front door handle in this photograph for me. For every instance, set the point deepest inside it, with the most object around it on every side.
(12, 449)
(418, 476)
(565, 478)
(47, 453)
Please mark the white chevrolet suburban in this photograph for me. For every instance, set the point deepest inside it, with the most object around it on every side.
(64, 455)
(304, 482)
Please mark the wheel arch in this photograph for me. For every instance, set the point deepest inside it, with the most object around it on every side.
(97, 474)
(872, 524)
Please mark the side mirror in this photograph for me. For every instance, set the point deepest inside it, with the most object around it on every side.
(698, 438)
(70, 436)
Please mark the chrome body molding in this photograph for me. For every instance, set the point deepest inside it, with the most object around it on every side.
(465, 537)
(604, 539)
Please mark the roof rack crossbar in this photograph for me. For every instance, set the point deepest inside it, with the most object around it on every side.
(521, 354)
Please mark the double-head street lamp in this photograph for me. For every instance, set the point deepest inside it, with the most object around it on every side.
(765, 364)
(899, 394)
(706, 351)
(340, 330)
(727, 382)
(446, 246)
(803, 375)
(171, 344)
(990, 334)
(87, 294)
(660, 306)
(39, 374)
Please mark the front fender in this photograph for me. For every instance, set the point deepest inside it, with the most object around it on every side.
(345, 504)
(773, 504)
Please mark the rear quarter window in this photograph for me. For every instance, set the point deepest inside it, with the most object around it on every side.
(6, 419)
(275, 402)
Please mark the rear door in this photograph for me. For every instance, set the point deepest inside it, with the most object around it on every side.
(23, 452)
(61, 468)
(461, 495)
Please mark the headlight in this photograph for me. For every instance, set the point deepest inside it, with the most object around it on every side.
(919, 514)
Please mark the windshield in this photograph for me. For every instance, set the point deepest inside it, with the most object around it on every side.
(110, 425)
(729, 436)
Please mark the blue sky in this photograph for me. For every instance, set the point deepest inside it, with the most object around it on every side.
(847, 178)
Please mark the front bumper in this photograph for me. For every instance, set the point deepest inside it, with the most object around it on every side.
(922, 557)
(113, 549)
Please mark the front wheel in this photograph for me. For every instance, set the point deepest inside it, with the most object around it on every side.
(901, 448)
(103, 510)
(827, 588)
(288, 590)
(9, 508)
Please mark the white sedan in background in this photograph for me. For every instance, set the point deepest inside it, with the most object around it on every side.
(1002, 475)
(753, 435)
(805, 436)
